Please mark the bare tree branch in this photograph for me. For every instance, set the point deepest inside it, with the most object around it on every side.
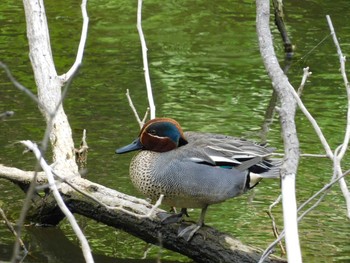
(306, 74)
(13, 231)
(344, 146)
(137, 217)
(274, 227)
(16, 175)
(323, 191)
(338, 154)
(49, 84)
(291, 143)
(18, 85)
(81, 47)
(26, 204)
(145, 61)
(47, 169)
(131, 104)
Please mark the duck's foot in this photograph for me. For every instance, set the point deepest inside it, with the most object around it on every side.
(167, 218)
(187, 231)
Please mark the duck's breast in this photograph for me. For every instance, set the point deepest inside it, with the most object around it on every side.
(183, 182)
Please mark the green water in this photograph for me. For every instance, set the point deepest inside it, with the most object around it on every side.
(206, 72)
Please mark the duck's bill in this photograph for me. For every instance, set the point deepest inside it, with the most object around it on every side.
(135, 145)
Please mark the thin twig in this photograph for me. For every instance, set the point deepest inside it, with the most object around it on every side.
(81, 47)
(18, 85)
(323, 190)
(131, 104)
(65, 91)
(342, 60)
(26, 204)
(271, 247)
(147, 250)
(47, 169)
(156, 205)
(313, 123)
(313, 155)
(314, 48)
(81, 154)
(145, 61)
(304, 155)
(145, 116)
(10, 227)
(344, 146)
(274, 226)
(303, 80)
(336, 162)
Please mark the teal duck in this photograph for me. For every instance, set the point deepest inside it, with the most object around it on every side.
(194, 170)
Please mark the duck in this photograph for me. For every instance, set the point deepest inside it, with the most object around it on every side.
(195, 169)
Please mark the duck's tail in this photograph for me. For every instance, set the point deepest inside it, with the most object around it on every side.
(260, 168)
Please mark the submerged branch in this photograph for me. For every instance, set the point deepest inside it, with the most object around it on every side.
(279, 21)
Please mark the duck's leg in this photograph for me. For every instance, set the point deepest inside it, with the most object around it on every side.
(188, 232)
(167, 218)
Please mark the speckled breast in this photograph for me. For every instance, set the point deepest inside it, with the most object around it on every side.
(143, 176)
(154, 173)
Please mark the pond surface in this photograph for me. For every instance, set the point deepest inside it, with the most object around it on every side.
(207, 73)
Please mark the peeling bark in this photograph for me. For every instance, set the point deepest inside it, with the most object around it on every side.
(49, 86)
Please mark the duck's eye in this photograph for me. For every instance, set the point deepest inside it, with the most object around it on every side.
(152, 132)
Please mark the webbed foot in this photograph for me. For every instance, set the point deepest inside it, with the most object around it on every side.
(187, 232)
(168, 218)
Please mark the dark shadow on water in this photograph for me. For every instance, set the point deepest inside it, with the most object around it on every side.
(51, 245)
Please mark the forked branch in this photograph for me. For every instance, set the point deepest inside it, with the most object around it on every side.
(291, 144)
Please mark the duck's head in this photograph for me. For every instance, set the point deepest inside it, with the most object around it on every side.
(158, 135)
